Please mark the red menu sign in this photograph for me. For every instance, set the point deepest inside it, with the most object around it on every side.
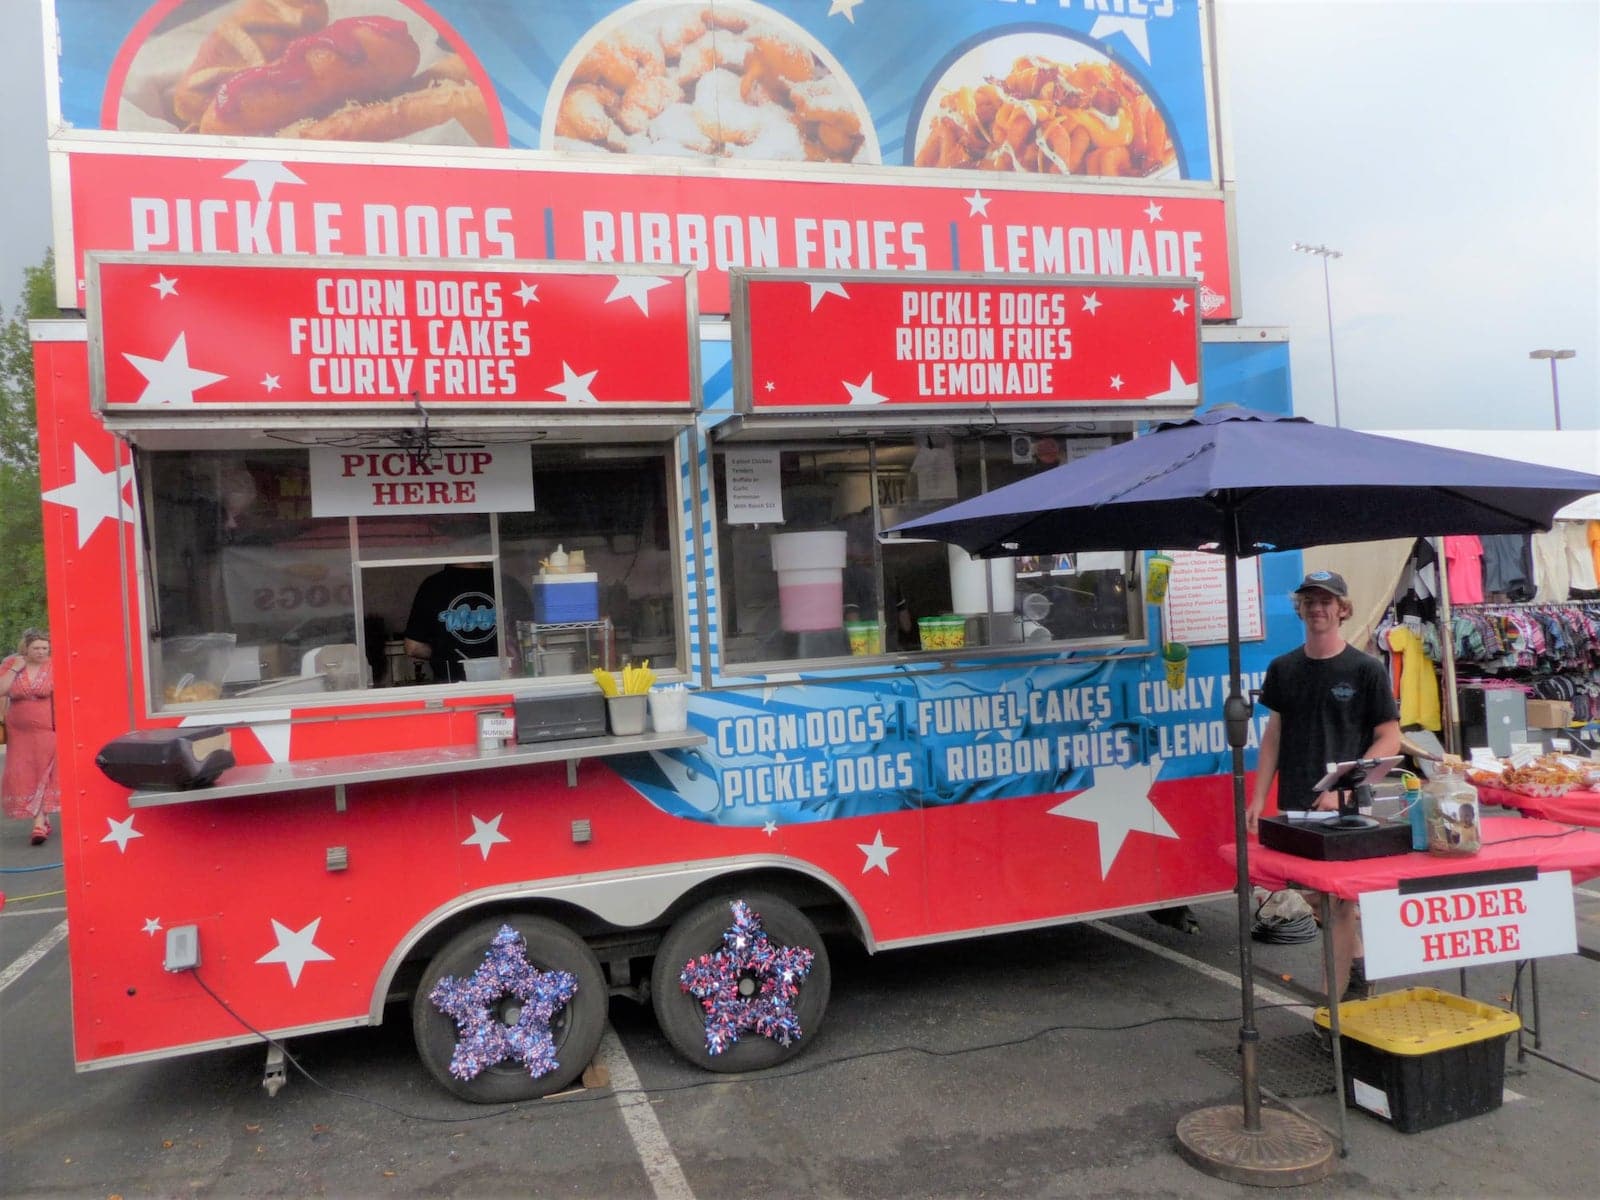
(826, 342)
(716, 224)
(173, 332)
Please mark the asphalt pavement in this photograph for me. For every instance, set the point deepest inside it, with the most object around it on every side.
(1049, 1063)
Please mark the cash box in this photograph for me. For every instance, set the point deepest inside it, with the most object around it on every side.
(553, 716)
(559, 599)
(167, 759)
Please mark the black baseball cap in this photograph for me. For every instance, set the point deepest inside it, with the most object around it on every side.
(1325, 581)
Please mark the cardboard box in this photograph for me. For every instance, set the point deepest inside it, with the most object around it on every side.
(1549, 714)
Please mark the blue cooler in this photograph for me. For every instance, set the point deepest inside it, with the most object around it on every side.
(559, 599)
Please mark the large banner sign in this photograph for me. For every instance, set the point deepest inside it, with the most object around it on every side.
(168, 332)
(826, 342)
(1095, 89)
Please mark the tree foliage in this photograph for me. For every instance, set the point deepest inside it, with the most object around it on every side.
(22, 592)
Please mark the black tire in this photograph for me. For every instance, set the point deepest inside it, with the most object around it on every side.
(699, 931)
(577, 1028)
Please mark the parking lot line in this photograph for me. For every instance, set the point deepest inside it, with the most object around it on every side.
(1231, 978)
(649, 1141)
(31, 955)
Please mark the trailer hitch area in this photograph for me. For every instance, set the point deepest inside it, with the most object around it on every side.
(275, 1076)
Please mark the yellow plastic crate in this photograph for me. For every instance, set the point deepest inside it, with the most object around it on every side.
(1420, 1020)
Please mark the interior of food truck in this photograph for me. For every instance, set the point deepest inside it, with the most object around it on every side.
(248, 593)
(864, 595)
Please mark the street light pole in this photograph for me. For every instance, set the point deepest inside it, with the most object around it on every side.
(1554, 356)
(1325, 254)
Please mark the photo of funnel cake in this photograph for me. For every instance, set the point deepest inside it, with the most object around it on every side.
(1042, 104)
(734, 80)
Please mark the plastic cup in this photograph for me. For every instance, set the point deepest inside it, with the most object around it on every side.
(1157, 573)
(929, 631)
(954, 632)
(1176, 657)
(862, 635)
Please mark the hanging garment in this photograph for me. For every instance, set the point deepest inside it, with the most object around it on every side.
(1464, 563)
(1580, 559)
(1419, 684)
(1508, 566)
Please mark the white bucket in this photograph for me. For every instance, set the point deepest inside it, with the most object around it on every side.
(669, 710)
(479, 670)
(810, 570)
(967, 591)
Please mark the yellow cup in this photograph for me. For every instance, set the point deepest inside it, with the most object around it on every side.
(862, 636)
(1175, 655)
(929, 630)
(954, 632)
(1158, 571)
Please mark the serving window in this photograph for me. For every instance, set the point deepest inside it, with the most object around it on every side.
(250, 595)
(805, 573)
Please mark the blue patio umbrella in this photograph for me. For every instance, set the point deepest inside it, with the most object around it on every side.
(1240, 482)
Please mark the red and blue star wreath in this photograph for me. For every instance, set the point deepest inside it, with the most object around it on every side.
(485, 1036)
(749, 984)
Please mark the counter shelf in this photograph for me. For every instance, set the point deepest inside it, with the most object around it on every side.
(337, 773)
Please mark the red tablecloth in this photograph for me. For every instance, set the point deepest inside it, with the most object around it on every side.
(1577, 807)
(1507, 842)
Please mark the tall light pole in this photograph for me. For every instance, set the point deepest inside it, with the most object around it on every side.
(1325, 254)
(1554, 356)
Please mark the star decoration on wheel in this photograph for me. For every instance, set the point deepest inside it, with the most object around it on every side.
(749, 985)
(484, 1035)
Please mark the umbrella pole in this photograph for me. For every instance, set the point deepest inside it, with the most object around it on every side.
(1245, 1145)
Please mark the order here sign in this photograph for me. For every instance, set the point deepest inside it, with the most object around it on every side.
(1433, 924)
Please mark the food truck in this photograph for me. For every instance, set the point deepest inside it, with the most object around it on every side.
(424, 366)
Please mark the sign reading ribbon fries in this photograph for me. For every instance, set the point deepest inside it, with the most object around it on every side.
(877, 340)
(169, 333)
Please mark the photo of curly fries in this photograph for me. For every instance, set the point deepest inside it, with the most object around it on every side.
(1042, 105)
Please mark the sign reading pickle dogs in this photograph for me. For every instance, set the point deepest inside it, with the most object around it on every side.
(872, 341)
(169, 333)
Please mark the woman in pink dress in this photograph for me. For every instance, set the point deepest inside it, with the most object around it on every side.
(28, 788)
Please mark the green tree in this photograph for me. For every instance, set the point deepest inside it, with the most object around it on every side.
(22, 594)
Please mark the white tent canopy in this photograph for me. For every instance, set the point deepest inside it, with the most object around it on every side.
(1574, 449)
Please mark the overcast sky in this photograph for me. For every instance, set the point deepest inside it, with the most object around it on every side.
(1448, 149)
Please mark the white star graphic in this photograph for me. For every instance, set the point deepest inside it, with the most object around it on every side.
(96, 495)
(877, 853)
(1177, 389)
(845, 9)
(1180, 305)
(776, 682)
(265, 175)
(1116, 383)
(574, 388)
(270, 725)
(271, 383)
(819, 290)
(1118, 802)
(978, 204)
(1130, 27)
(165, 287)
(770, 828)
(528, 293)
(152, 925)
(1091, 303)
(171, 379)
(636, 288)
(1153, 212)
(486, 834)
(295, 948)
(862, 393)
(122, 832)
(771, 387)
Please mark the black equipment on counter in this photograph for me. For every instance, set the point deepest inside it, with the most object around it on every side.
(167, 759)
(1329, 841)
(555, 716)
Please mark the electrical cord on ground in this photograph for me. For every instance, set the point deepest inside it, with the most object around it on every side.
(37, 896)
(55, 866)
(608, 1093)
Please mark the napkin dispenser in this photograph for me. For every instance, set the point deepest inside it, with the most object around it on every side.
(557, 715)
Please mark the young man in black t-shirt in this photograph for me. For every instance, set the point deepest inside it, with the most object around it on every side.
(1329, 703)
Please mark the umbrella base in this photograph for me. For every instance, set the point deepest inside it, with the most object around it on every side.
(1286, 1151)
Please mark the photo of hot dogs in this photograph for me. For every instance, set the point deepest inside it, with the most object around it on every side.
(1042, 105)
(330, 70)
(733, 79)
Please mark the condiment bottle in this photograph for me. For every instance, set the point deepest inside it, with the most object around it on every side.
(558, 561)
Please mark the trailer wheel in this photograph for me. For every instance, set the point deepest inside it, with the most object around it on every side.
(699, 931)
(576, 1028)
